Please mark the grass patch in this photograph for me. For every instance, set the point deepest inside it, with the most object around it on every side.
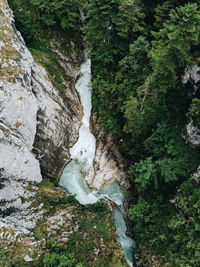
(50, 62)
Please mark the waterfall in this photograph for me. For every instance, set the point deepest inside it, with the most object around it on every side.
(82, 155)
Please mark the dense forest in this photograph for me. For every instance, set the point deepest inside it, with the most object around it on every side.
(139, 51)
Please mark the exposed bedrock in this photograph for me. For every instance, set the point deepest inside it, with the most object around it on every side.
(109, 165)
(37, 124)
(191, 79)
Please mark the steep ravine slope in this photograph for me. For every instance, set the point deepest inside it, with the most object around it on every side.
(108, 165)
(33, 115)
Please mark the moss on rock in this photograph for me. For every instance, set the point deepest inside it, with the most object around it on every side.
(86, 232)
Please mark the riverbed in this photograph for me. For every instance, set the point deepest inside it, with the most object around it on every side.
(82, 155)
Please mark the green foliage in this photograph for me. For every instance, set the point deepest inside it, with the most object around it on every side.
(162, 13)
(62, 13)
(39, 232)
(144, 173)
(96, 231)
(111, 26)
(64, 34)
(102, 100)
(50, 62)
(100, 30)
(136, 62)
(170, 159)
(24, 20)
(9, 258)
(100, 26)
(171, 49)
(43, 41)
(139, 52)
(170, 52)
(57, 256)
(133, 72)
(129, 19)
(54, 246)
(133, 115)
(4, 257)
(59, 260)
(100, 206)
(194, 111)
(188, 202)
(173, 224)
(142, 212)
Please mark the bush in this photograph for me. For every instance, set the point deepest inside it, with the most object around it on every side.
(57, 256)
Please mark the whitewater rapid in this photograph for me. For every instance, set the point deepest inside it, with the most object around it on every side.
(82, 155)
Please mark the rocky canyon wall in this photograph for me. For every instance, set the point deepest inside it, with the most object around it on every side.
(37, 125)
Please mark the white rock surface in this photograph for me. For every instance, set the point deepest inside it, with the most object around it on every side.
(192, 75)
(106, 168)
(191, 132)
(192, 135)
(108, 164)
(33, 117)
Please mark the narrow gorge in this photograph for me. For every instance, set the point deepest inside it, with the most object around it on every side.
(76, 173)
(99, 133)
(38, 127)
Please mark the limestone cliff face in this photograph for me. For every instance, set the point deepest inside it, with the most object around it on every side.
(192, 135)
(108, 164)
(191, 79)
(37, 125)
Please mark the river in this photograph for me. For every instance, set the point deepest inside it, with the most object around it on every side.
(82, 155)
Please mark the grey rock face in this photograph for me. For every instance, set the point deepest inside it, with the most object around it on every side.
(192, 135)
(57, 123)
(37, 125)
(108, 165)
(192, 78)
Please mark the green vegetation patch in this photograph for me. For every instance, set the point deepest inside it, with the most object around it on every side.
(169, 226)
(85, 232)
(47, 29)
(50, 62)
